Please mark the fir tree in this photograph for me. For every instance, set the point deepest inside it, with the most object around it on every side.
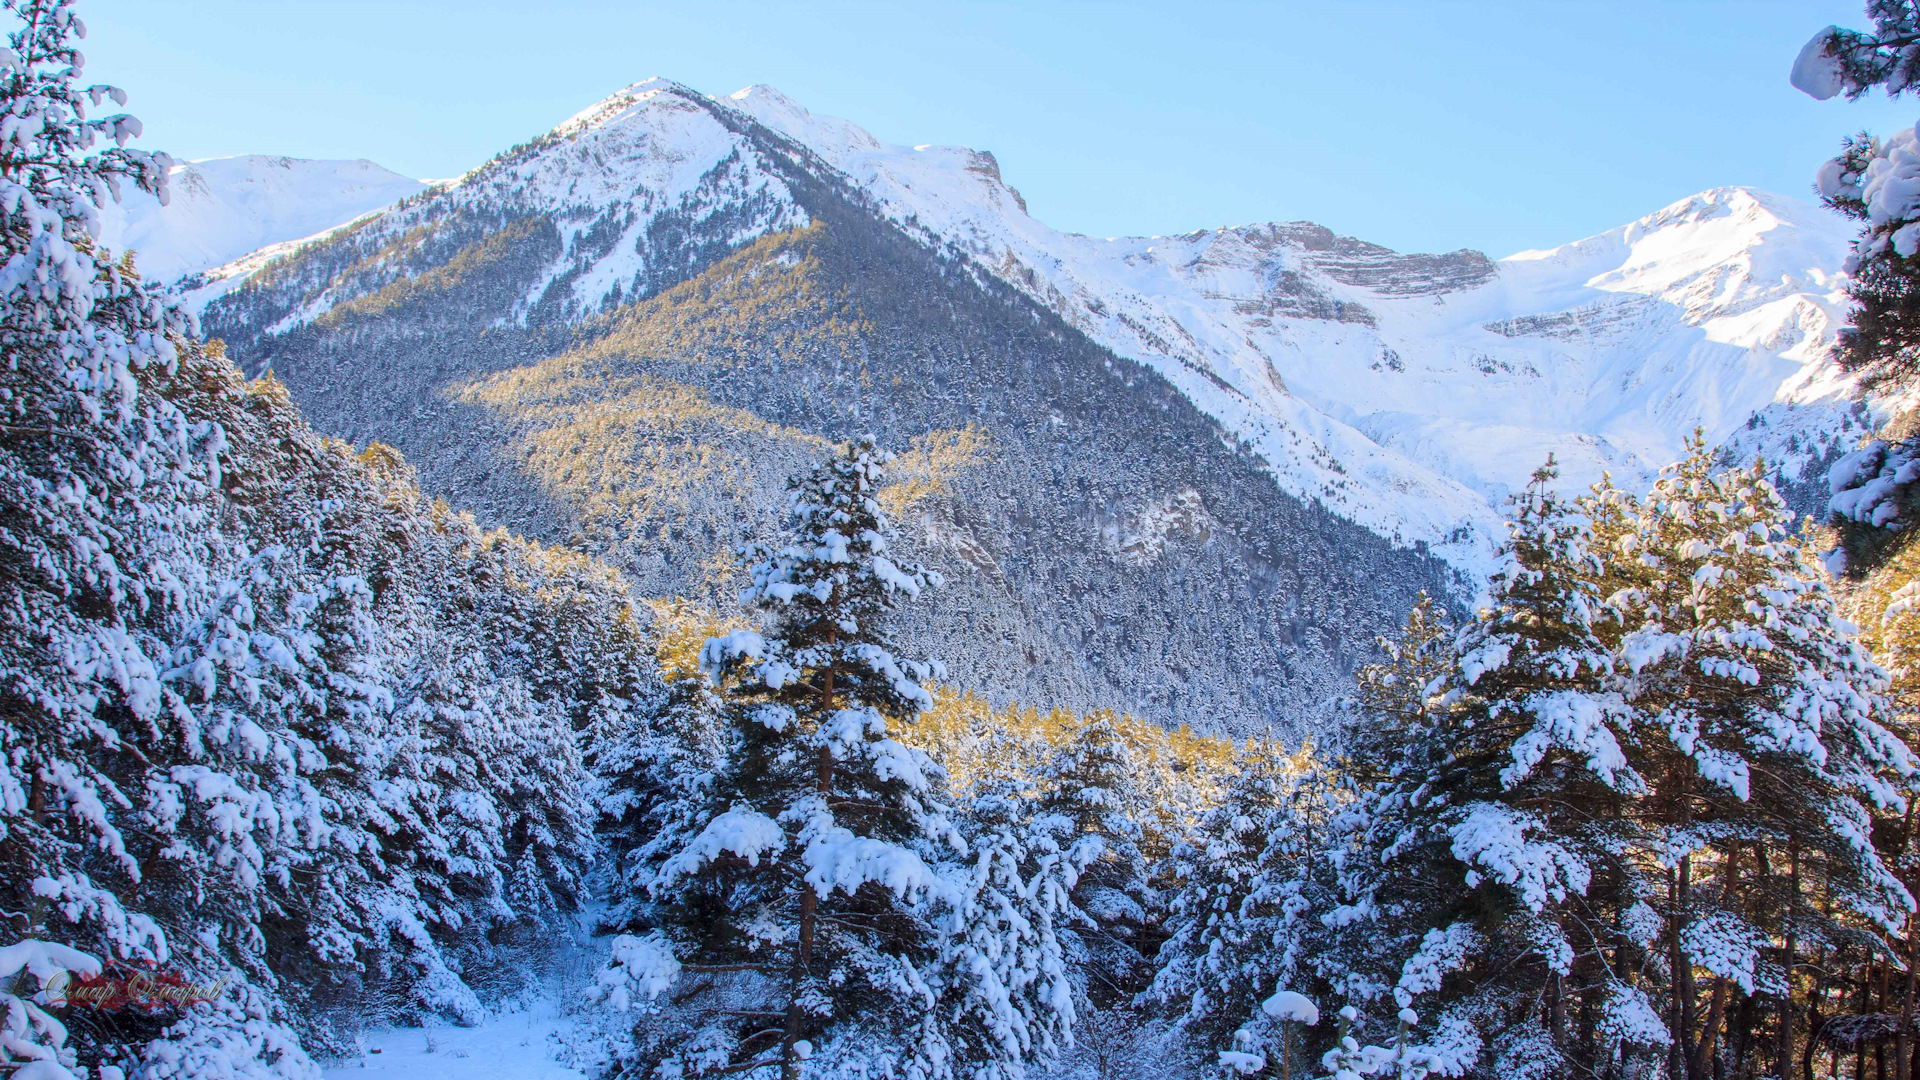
(1492, 822)
(1257, 880)
(1014, 978)
(653, 766)
(1091, 782)
(815, 871)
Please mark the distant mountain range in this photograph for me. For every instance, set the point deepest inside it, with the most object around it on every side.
(1190, 476)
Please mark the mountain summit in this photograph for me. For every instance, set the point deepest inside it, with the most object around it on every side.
(1189, 476)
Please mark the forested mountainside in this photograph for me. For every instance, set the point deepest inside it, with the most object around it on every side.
(1413, 393)
(1407, 393)
(1106, 543)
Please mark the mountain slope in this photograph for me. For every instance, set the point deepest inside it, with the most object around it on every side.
(1411, 393)
(630, 330)
(223, 208)
(1105, 542)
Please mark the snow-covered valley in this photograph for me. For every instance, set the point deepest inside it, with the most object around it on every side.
(709, 595)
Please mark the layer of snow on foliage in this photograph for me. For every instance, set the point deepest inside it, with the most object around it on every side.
(642, 969)
(1440, 952)
(1287, 1005)
(1629, 1017)
(1498, 842)
(746, 833)
(1817, 72)
(223, 208)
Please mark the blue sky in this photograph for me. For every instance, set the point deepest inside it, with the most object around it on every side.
(1423, 126)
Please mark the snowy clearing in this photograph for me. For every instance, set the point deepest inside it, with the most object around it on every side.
(519, 1045)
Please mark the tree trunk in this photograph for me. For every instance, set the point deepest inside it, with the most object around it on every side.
(1710, 1032)
(1784, 1054)
(809, 906)
(1740, 1037)
(1903, 1039)
(1903, 1049)
(1684, 1051)
(1716, 1012)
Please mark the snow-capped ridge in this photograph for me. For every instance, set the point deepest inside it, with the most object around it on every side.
(608, 109)
(224, 208)
(1407, 392)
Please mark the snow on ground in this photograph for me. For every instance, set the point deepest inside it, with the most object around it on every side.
(540, 1033)
(518, 1045)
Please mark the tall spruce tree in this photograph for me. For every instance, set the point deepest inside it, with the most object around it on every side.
(815, 876)
(267, 714)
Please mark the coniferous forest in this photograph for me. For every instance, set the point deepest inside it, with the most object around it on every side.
(277, 722)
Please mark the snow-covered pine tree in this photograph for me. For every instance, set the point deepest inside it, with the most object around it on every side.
(653, 764)
(1396, 698)
(1758, 729)
(1092, 781)
(1006, 959)
(1869, 182)
(97, 479)
(266, 713)
(1574, 818)
(1257, 879)
(104, 491)
(1494, 828)
(816, 878)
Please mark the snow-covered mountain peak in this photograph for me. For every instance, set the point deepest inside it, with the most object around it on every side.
(1407, 392)
(625, 103)
(223, 208)
(1721, 252)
